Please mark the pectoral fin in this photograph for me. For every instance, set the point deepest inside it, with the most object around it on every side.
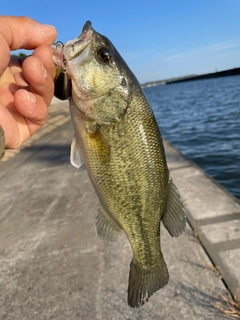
(174, 218)
(106, 228)
(76, 157)
(98, 144)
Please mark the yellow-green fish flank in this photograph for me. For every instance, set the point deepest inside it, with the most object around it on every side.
(118, 139)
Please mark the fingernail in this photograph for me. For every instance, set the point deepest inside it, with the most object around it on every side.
(49, 25)
(44, 72)
(30, 96)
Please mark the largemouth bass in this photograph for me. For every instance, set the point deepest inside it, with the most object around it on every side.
(118, 139)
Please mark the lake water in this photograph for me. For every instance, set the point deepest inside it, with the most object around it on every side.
(202, 119)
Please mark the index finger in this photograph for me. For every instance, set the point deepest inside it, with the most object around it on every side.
(22, 33)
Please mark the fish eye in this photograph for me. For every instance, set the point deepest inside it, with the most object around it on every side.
(104, 55)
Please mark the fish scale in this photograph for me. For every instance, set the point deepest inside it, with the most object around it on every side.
(117, 138)
(132, 196)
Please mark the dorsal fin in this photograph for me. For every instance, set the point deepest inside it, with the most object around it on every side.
(174, 218)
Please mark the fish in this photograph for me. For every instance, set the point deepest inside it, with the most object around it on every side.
(117, 137)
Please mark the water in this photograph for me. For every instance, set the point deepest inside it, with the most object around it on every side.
(202, 119)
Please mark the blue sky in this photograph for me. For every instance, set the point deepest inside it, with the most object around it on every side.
(158, 39)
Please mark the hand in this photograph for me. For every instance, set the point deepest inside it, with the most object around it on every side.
(26, 84)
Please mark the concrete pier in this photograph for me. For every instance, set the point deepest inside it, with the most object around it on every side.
(53, 266)
(213, 213)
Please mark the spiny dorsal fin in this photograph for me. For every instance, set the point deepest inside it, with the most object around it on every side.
(106, 228)
(76, 157)
(174, 218)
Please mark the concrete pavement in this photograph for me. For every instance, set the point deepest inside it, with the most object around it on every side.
(53, 266)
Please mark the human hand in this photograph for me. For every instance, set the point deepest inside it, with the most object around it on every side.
(26, 85)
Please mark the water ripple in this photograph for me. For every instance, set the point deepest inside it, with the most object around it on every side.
(202, 119)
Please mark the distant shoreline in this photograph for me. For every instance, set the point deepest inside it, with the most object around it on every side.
(225, 73)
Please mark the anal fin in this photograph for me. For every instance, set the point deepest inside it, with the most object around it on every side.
(174, 218)
(106, 228)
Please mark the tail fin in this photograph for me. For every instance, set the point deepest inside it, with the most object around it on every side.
(143, 282)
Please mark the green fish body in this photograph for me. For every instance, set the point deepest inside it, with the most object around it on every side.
(118, 139)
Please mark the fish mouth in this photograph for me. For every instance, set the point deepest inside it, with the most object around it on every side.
(87, 27)
(73, 48)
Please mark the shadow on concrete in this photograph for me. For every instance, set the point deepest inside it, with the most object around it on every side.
(48, 153)
(199, 265)
(194, 296)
